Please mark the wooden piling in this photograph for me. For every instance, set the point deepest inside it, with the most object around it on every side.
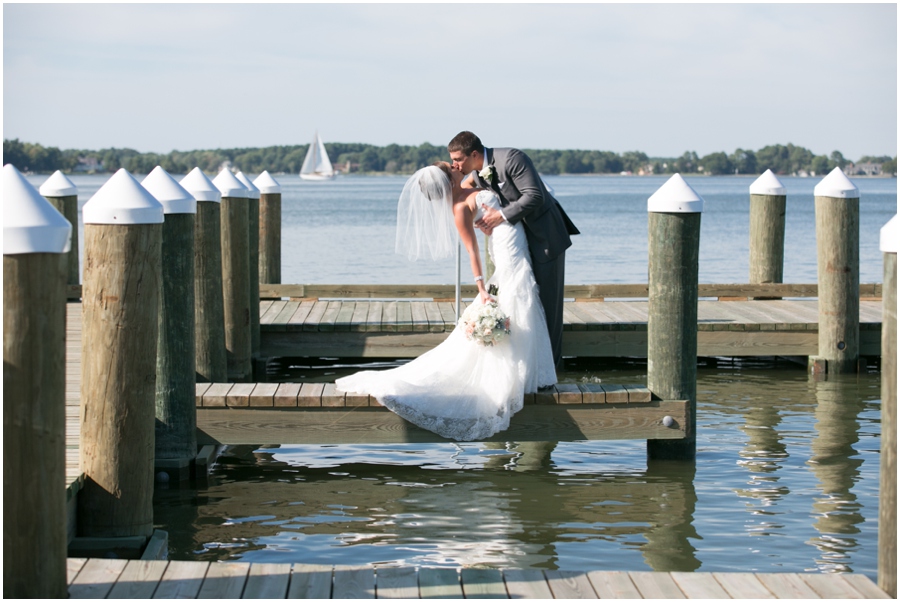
(269, 228)
(209, 309)
(36, 237)
(837, 243)
(122, 238)
(63, 195)
(768, 201)
(887, 499)
(235, 276)
(674, 245)
(253, 222)
(176, 413)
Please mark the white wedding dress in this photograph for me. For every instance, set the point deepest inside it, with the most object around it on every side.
(460, 389)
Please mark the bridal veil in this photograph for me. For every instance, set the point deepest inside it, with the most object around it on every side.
(425, 226)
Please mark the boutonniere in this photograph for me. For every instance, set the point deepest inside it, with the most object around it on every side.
(487, 173)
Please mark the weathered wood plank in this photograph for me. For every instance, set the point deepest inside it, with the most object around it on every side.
(376, 425)
(374, 316)
(215, 395)
(419, 316)
(97, 578)
(527, 583)
(578, 291)
(613, 584)
(568, 393)
(314, 317)
(310, 395)
(865, 586)
(404, 316)
(354, 582)
(655, 585)
(270, 311)
(743, 585)
(448, 313)
(439, 583)
(330, 316)
(359, 319)
(826, 586)
(433, 314)
(73, 567)
(182, 579)
(332, 398)
(570, 585)
(344, 319)
(482, 583)
(263, 394)
(286, 395)
(309, 581)
(699, 585)
(239, 395)
(787, 585)
(267, 581)
(298, 318)
(398, 583)
(139, 579)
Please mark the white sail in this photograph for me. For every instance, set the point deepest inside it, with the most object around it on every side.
(316, 165)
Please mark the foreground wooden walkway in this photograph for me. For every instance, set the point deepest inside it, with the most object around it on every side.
(111, 578)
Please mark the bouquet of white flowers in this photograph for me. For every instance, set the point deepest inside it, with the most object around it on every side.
(485, 324)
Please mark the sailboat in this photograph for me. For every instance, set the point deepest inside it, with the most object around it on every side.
(316, 165)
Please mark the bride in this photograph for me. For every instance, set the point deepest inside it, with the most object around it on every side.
(460, 389)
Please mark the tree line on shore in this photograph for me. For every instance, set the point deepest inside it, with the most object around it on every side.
(398, 159)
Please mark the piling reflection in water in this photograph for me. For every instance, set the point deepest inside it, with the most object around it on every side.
(782, 465)
(836, 464)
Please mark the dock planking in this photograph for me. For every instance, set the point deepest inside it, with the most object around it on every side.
(407, 328)
(143, 579)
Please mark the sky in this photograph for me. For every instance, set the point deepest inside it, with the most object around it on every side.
(658, 78)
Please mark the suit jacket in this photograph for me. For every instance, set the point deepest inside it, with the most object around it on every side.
(524, 198)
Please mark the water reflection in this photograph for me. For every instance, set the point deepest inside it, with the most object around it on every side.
(836, 464)
(500, 506)
(786, 479)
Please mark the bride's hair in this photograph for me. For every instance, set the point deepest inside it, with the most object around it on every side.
(432, 184)
(444, 167)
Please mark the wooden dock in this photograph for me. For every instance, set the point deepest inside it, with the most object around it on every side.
(115, 578)
(400, 329)
(260, 413)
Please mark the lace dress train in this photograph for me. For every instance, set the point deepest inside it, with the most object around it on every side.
(462, 390)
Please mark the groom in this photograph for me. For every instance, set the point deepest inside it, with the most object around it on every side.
(523, 197)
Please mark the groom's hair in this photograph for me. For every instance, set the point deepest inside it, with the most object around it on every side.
(467, 142)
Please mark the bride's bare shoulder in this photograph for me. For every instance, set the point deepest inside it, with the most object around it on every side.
(466, 199)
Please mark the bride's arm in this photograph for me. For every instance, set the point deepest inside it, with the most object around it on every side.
(463, 216)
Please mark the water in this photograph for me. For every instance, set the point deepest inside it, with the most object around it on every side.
(342, 231)
(786, 479)
(786, 476)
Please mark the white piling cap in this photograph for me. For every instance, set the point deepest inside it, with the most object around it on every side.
(122, 200)
(837, 186)
(768, 184)
(200, 186)
(58, 185)
(172, 195)
(890, 236)
(229, 185)
(267, 184)
(675, 196)
(30, 223)
(252, 191)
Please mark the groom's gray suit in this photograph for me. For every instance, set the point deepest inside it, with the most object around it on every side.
(524, 198)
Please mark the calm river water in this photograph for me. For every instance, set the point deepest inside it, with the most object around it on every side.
(786, 475)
